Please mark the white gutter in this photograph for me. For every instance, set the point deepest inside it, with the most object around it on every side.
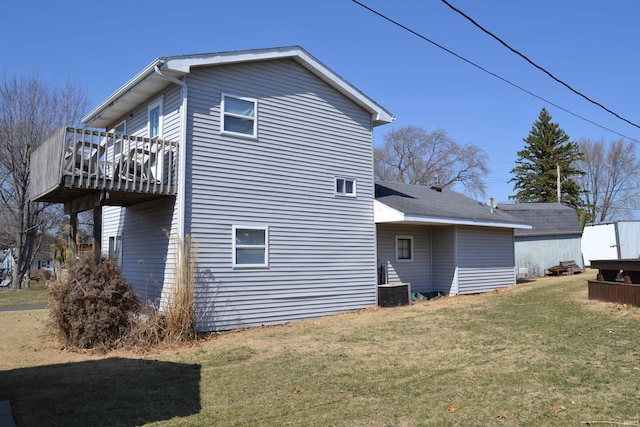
(182, 151)
(456, 221)
(135, 81)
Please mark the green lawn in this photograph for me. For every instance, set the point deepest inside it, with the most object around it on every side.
(35, 295)
(537, 354)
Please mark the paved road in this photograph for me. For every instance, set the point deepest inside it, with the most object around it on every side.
(23, 307)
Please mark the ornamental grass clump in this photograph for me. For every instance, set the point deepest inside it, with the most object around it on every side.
(93, 307)
(179, 313)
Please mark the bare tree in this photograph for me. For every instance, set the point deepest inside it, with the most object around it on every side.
(30, 111)
(413, 156)
(609, 185)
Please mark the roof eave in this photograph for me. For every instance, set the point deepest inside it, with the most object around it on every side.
(143, 75)
(463, 221)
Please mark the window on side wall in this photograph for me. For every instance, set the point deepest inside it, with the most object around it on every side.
(250, 246)
(115, 249)
(239, 115)
(345, 187)
(404, 248)
(154, 122)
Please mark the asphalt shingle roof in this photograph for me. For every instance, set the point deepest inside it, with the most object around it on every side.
(427, 202)
(547, 219)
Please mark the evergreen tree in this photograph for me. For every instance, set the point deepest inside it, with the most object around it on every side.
(547, 146)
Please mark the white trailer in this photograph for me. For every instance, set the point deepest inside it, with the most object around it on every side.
(611, 240)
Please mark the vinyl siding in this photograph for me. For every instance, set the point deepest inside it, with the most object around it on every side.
(537, 253)
(444, 260)
(321, 246)
(417, 271)
(486, 259)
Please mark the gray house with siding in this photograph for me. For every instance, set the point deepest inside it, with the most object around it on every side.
(263, 157)
(439, 240)
(555, 236)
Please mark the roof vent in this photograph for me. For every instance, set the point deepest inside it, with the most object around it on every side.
(492, 203)
(438, 189)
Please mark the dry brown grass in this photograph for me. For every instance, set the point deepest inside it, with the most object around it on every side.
(179, 313)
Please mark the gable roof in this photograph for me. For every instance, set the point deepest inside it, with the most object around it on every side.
(150, 81)
(407, 203)
(547, 219)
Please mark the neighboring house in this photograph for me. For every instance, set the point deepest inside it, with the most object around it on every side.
(554, 237)
(263, 157)
(611, 240)
(439, 240)
(42, 261)
(6, 261)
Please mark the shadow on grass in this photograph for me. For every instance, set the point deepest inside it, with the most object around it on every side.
(114, 392)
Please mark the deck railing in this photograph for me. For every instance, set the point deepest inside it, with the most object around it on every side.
(95, 160)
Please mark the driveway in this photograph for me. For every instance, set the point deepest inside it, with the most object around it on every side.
(23, 307)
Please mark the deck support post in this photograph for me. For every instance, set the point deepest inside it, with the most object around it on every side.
(97, 234)
(73, 234)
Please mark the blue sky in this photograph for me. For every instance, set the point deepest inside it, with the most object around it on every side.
(591, 45)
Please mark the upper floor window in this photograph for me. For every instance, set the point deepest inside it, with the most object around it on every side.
(154, 114)
(345, 186)
(239, 115)
(250, 246)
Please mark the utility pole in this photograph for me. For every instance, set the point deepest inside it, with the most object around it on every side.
(558, 180)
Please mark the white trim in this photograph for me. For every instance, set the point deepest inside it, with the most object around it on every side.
(124, 126)
(224, 114)
(456, 221)
(344, 193)
(182, 161)
(456, 262)
(234, 246)
(404, 237)
(159, 104)
(115, 248)
(147, 81)
(384, 213)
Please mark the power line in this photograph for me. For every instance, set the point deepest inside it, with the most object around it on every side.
(502, 42)
(415, 33)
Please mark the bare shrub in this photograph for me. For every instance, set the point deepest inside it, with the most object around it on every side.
(94, 307)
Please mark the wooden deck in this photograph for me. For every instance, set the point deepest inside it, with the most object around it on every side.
(79, 166)
(617, 281)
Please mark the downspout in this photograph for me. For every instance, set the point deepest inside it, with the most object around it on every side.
(617, 234)
(455, 261)
(182, 152)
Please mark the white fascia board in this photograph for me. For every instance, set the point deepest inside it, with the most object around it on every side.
(378, 114)
(186, 62)
(384, 213)
(457, 221)
(183, 64)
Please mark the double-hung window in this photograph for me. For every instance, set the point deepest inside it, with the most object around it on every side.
(239, 115)
(154, 123)
(404, 248)
(345, 187)
(250, 246)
